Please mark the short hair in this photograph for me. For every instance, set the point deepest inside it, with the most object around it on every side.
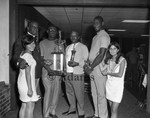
(75, 32)
(30, 23)
(100, 18)
(27, 39)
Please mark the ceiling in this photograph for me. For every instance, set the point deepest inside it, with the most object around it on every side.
(78, 14)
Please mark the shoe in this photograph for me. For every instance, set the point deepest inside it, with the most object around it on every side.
(68, 112)
(81, 116)
(93, 116)
(53, 116)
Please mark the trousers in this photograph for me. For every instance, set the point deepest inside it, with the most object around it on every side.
(98, 89)
(75, 91)
(51, 95)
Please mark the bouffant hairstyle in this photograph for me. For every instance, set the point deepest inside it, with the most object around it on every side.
(27, 39)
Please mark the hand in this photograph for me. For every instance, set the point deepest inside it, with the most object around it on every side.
(22, 63)
(104, 72)
(73, 63)
(51, 72)
(30, 92)
(87, 69)
(48, 62)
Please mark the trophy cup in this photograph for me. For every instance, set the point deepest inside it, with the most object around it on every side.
(58, 57)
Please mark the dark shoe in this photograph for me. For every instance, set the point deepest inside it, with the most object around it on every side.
(93, 116)
(53, 116)
(68, 112)
(81, 116)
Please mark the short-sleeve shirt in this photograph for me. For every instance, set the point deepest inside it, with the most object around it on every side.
(81, 56)
(101, 40)
(47, 47)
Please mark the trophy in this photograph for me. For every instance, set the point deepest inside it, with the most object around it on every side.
(58, 57)
(73, 54)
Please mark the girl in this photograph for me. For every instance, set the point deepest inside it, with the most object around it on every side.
(114, 67)
(26, 79)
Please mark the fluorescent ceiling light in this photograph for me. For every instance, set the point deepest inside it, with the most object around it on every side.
(117, 30)
(136, 21)
(145, 35)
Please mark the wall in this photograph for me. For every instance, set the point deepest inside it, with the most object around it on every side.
(4, 41)
(4, 99)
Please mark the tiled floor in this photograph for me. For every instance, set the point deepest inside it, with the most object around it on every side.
(127, 109)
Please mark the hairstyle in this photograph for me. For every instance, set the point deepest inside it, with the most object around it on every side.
(109, 56)
(75, 32)
(100, 18)
(31, 23)
(27, 39)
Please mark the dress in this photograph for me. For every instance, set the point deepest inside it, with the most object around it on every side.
(22, 84)
(115, 85)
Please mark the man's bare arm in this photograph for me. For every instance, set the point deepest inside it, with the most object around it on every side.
(99, 58)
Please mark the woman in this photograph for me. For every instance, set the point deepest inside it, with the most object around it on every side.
(114, 67)
(26, 79)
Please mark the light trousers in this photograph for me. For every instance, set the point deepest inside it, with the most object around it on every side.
(52, 90)
(98, 89)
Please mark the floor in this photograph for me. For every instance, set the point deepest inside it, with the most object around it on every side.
(127, 109)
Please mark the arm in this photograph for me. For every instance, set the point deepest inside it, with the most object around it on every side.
(28, 79)
(99, 58)
(19, 62)
(121, 70)
(103, 66)
(46, 66)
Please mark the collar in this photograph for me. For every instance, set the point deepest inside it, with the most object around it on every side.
(31, 34)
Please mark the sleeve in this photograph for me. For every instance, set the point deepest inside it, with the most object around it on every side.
(85, 54)
(18, 48)
(27, 58)
(41, 49)
(104, 42)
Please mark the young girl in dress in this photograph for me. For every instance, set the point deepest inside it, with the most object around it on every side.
(26, 79)
(114, 66)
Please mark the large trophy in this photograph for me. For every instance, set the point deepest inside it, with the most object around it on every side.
(58, 57)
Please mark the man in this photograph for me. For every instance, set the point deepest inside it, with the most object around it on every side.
(76, 55)
(99, 46)
(32, 30)
(51, 81)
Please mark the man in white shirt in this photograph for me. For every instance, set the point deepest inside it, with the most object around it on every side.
(98, 49)
(76, 55)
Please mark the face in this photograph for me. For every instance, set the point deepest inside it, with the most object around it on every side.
(113, 50)
(33, 28)
(74, 37)
(31, 46)
(52, 32)
(97, 25)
